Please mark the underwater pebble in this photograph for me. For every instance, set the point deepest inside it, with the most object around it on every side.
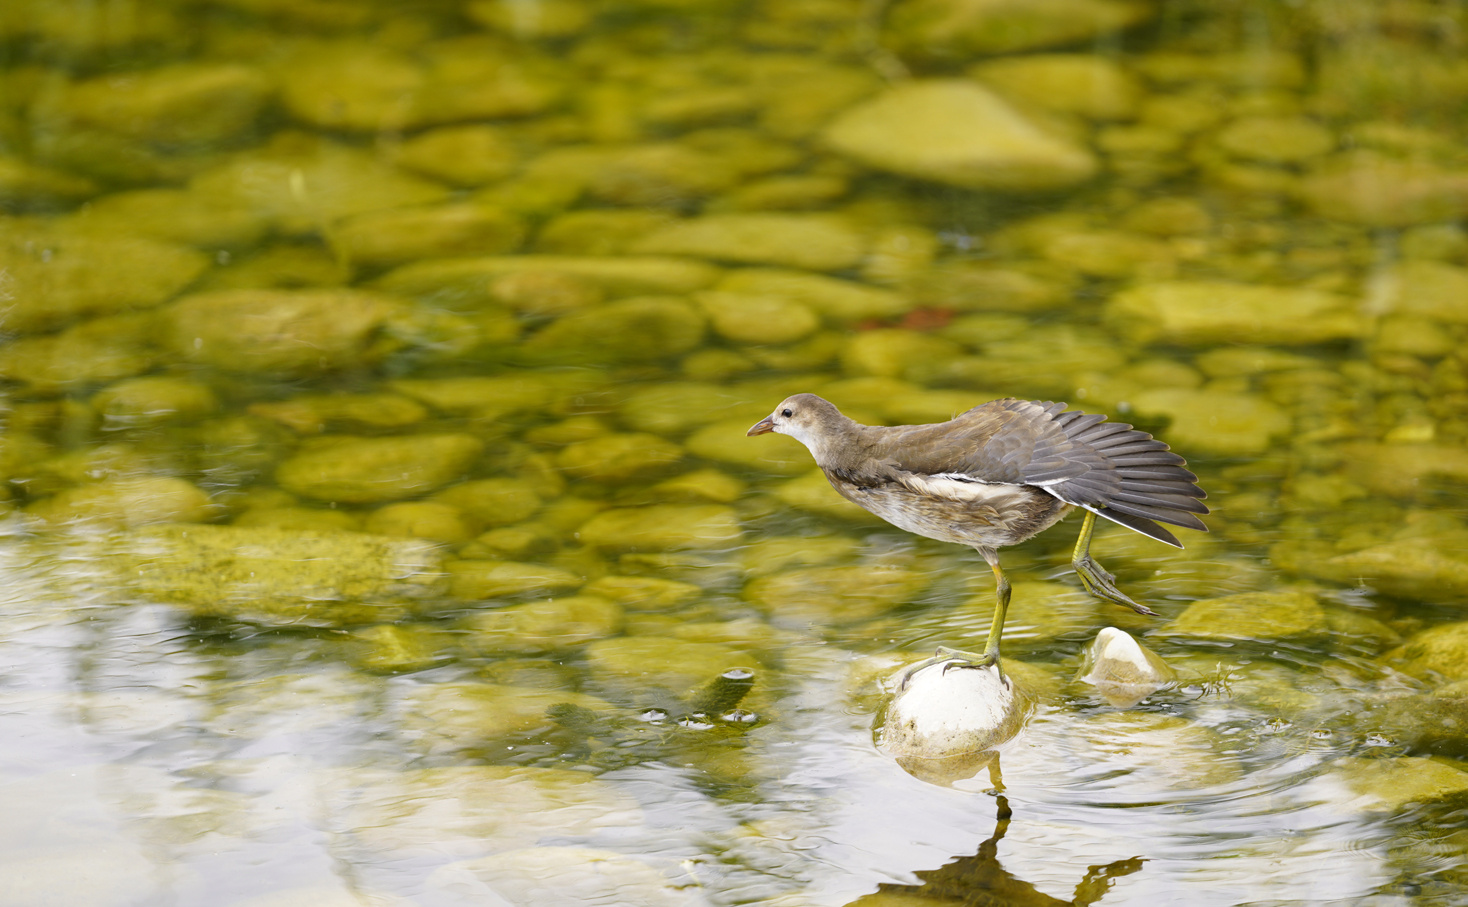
(372, 470)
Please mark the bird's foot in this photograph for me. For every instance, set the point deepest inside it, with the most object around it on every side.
(1102, 584)
(950, 659)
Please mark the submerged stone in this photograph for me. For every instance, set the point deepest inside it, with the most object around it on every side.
(1214, 422)
(126, 501)
(277, 576)
(384, 238)
(816, 242)
(1413, 569)
(1212, 313)
(965, 28)
(837, 300)
(1390, 786)
(841, 594)
(1160, 750)
(640, 329)
(312, 414)
(152, 400)
(454, 717)
(1284, 615)
(614, 275)
(188, 103)
(492, 502)
(1088, 85)
(619, 457)
(543, 626)
(813, 493)
(957, 132)
(371, 470)
(475, 580)
(643, 670)
(645, 593)
(582, 875)
(1440, 651)
(422, 520)
(662, 526)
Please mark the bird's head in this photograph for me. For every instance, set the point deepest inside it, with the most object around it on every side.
(801, 417)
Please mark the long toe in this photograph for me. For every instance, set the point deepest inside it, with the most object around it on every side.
(1103, 585)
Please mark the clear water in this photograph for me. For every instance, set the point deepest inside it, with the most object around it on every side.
(155, 753)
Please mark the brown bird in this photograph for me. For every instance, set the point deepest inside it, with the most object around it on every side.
(995, 476)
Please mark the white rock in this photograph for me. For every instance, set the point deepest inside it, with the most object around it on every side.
(1123, 670)
(944, 725)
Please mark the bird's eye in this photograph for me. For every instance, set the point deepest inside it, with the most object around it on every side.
(787, 413)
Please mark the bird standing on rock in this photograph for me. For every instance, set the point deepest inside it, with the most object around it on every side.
(997, 475)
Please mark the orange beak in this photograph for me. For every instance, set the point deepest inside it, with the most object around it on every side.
(762, 427)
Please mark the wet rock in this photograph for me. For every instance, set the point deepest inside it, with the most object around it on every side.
(643, 670)
(454, 717)
(813, 493)
(126, 501)
(815, 242)
(944, 723)
(1413, 569)
(299, 519)
(1123, 670)
(700, 486)
(962, 28)
(672, 407)
(582, 875)
(619, 457)
(1275, 140)
(184, 104)
(1258, 616)
(599, 231)
(1435, 724)
(726, 441)
(1210, 313)
(957, 132)
(279, 331)
(492, 502)
(645, 593)
(1156, 750)
(363, 87)
(474, 580)
(1109, 253)
(385, 238)
(1430, 290)
(172, 215)
(312, 414)
(486, 397)
(1438, 652)
(138, 402)
(544, 626)
(1377, 191)
(1214, 422)
(277, 576)
(658, 173)
(834, 595)
(1390, 786)
(371, 470)
(641, 329)
(461, 810)
(465, 156)
(300, 184)
(398, 648)
(757, 319)
(420, 520)
(969, 286)
(835, 300)
(893, 352)
(1087, 85)
(52, 278)
(773, 554)
(662, 526)
(616, 276)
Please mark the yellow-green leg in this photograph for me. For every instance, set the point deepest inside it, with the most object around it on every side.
(1093, 576)
(958, 658)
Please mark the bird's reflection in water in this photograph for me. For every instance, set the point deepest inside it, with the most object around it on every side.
(980, 880)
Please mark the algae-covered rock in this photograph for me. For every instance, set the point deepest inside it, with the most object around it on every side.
(398, 648)
(644, 593)
(615, 276)
(841, 594)
(453, 717)
(619, 457)
(726, 441)
(1390, 786)
(893, 352)
(153, 400)
(1427, 289)
(182, 104)
(465, 156)
(1214, 422)
(279, 331)
(463, 809)
(1088, 85)
(277, 576)
(957, 132)
(93, 352)
(312, 414)
(543, 626)
(369, 470)
(816, 242)
(1275, 140)
(757, 319)
(1210, 313)
(172, 215)
(53, 278)
(492, 502)
(126, 501)
(773, 554)
(1378, 191)
(662, 526)
(963, 28)
(834, 299)
(1259, 616)
(813, 493)
(476, 580)
(1402, 470)
(641, 670)
(1413, 569)
(640, 329)
(1440, 651)
(384, 238)
(672, 407)
(421, 520)
(299, 519)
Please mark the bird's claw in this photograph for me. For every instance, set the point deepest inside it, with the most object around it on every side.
(1102, 584)
(950, 659)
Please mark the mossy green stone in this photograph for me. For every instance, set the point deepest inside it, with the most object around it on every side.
(1257, 616)
(841, 594)
(543, 626)
(474, 580)
(1440, 651)
(662, 526)
(617, 458)
(372, 470)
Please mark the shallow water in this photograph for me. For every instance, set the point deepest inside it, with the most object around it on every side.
(379, 514)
